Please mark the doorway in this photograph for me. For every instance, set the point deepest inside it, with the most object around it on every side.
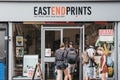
(3, 52)
(51, 37)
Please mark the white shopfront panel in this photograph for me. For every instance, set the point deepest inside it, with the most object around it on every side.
(54, 11)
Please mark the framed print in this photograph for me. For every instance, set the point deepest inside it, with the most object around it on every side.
(19, 40)
(48, 52)
(29, 63)
(19, 51)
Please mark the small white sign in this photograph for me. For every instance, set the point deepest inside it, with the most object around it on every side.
(48, 52)
(106, 35)
(106, 38)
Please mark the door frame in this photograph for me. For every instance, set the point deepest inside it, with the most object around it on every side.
(52, 59)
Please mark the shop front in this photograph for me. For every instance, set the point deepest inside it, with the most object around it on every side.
(36, 29)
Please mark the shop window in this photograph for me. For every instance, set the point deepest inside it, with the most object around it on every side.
(27, 41)
(101, 35)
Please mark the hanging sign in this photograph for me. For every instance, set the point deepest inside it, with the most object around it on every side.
(106, 35)
(48, 52)
(106, 32)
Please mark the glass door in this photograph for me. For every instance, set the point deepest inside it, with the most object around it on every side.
(51, 37)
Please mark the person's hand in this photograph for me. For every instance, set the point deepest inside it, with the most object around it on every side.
(101, 69)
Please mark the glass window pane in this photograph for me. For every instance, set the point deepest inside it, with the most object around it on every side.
(52, 42)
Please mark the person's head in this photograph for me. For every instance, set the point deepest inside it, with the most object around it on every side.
(66, 45)
(70, 44)
(100, 50)
(62, 45)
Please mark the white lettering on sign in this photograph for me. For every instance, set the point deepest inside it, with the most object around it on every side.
(106, 32)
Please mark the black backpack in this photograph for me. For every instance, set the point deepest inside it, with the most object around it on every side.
(71, 57)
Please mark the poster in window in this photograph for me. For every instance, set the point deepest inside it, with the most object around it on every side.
(48, 52)
(19, 51)
(29, 63)
(19, 40)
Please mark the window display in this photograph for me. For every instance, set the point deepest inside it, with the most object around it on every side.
(26, 42)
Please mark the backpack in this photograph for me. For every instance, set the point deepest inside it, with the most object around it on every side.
(71, 57)
(85, 57)
(109, 61)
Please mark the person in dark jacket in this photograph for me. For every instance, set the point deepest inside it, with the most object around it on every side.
(60, 62)
(71, 66)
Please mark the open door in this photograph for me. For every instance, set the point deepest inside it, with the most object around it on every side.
(51, 37)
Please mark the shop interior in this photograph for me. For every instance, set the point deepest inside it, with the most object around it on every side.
(27, 41)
